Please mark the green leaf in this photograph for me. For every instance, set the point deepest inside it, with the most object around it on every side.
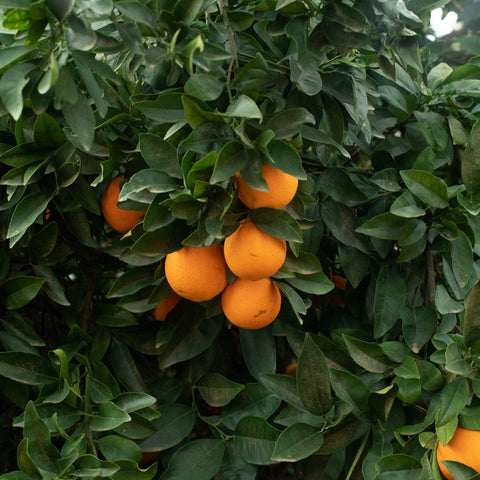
(39, 447)
(385, 226)
(287, 123)
(444, 303)
(26, 212)
(313, 381)
(337, 183)
(390, 297)
(284, 157)
(204, 86)
(189, 338)
(47, 132)
(254, 439)
(217, 390)
(259, 351)
(175, 423)
(434, 128)
(315, 283)
(341, 221)
(462, 258)
(159, 154)
(12, 54)
(133, 401)
(453, 399)
(277, 223)
(368, 355)
(397, 466)
(296, 442)
(130, 282)
(52, 286)
(470, 159)
(406, 206)
(350, 389)
(138, 12)
(284, 386)
(428, 188)
(418, 326)
(60, 8)
(243, 107)
(125, 368)
(80, 117)
(200, 459)
(232, 158)
(108, 417)
(12, 84)
(253, 400)
(20, 290)
(471, 322)
(91, 466)
(115, 447)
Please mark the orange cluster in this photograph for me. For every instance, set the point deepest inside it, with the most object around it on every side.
(199, 274)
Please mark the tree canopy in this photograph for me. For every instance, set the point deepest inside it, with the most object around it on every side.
(358, 100)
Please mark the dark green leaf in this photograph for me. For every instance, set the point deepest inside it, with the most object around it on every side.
(175, 423)
(434, 128)
(199, 459)
(390, 297)
(428, 188)
(277, 223)
(471, 322)
(217, 390)
(12, 84)
(115, 447)
(284, 386)
(313, 381)
(296, 442)
(368, 355)
(255, 439)
(418, 325)
(259, 351)
(108, 417)
(20, 290)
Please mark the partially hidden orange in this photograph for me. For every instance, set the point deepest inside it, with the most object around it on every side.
(253, 254)
(166, 306)
(197, 273)
(251, 304)
(463, 448)
(281, 189)
(119, 219)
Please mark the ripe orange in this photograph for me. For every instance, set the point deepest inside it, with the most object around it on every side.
(166, 306)
(463, 448)
(253, 254)
(281, 189)
(291, 369)
(251, 304)
(119, 219)
(197, 273)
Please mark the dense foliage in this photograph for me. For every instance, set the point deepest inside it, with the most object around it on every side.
(379, 122)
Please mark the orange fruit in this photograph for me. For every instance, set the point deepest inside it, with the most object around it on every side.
(251, 304)
(281, 189)
(339, 282)
(197, 273)
(119, 219)
(463, 448)
(166, 306)
(253, 254)
(291, 369)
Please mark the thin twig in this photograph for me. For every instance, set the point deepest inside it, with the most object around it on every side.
(430, 279)
(231, 42)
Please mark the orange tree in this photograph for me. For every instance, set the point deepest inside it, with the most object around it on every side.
(189, 101)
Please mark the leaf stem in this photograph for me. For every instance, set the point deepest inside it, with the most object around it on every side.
(357, 456)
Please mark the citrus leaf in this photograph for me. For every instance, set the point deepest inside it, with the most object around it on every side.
(296, 442)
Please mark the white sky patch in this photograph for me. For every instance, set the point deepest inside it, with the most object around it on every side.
(443, 26)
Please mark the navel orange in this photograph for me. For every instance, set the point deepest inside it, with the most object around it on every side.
(463, 448)
(119, 219)
(281, 189)
(197, 273)
(253, 254)
(251, 304)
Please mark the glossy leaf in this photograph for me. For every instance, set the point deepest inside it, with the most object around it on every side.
(297, 442)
